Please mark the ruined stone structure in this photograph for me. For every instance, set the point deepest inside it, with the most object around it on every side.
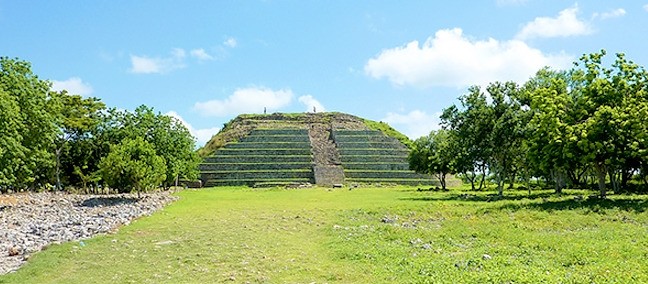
(324, 148)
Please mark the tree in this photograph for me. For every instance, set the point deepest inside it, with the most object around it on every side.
(552, 139)
(28, 127)
(78, 116)
(432, 154)
(170, 139)
(471, 128)
(11, 147)
(133, 165)
(612, 120)
(505, 138)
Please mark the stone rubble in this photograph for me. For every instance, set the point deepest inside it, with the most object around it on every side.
(31, 221)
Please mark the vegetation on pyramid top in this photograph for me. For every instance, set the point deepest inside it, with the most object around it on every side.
(241, 126)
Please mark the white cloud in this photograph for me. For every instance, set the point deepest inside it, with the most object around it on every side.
(450, 59)
(230, 42)
(620, 12)
(201, 54)
(247, 100)
(159, 65)
(74, 86)
(564, 25)
(311, 103)
(414, 124)
(645, 7)
(201, 135)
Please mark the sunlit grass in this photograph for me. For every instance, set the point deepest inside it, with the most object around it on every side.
(375, 235)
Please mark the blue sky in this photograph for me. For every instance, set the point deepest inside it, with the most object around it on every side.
(401, 62)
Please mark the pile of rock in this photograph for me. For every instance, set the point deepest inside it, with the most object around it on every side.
(31, 221)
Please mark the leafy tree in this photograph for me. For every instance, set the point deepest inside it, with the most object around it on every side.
(553, 137)
(133, 165)
(170, 139)
(471, 127)
(78, 116)
(11, 147)
(505, 139)
(612, 121)
(432, 154)
(27, 128)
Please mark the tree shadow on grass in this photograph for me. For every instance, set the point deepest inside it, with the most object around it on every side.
(108, 201)
(480, 197)
(593, 204)
(544, 201)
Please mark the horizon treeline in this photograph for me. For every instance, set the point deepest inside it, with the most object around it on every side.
(579, 128)
(55, 140)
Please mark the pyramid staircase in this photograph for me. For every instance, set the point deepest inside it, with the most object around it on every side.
(369, 156)
(270, 157)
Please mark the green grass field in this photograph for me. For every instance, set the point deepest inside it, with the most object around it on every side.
(374, 235)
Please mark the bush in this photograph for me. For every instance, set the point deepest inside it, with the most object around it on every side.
(133, 165)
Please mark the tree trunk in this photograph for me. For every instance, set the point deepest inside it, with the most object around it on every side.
(512, 180)
(582, 178)
(483, 178)
(500, 185)
(626, 175)
(442, 179)
(600, 173)
(613, 180)
(558, 180)
(471, 178)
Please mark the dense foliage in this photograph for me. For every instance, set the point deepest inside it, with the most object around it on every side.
(584, 126)
(55, 139)
(133, 165)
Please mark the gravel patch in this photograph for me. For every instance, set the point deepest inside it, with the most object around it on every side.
(31, 221)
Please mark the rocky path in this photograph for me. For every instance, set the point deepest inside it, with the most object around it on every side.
(30, 221)
(324, 151)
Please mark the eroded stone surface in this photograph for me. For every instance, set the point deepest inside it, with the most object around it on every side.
(33, 220)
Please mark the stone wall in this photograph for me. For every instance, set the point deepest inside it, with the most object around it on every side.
(328, 175)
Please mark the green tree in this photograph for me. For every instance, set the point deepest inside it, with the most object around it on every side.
(28, 128)
(471, 128)
(170, 138)
(552, 140)
(432, 155)
(507, 134)
(611, 121)
(11, 147)
(133, 165)
(78, 116)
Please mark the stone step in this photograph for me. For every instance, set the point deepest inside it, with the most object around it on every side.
(402, 174)
(253, 182)
(205, 167)
(373, 159)
(271, 132)
(371, 145)
(257, 174)
(262, 152)
(260, 159)
(269, 145)
(373, 152)
(371, 138)
(393, 166)
(412, 182)
(275, 138)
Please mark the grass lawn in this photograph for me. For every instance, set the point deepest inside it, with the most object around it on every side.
(373, 235)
